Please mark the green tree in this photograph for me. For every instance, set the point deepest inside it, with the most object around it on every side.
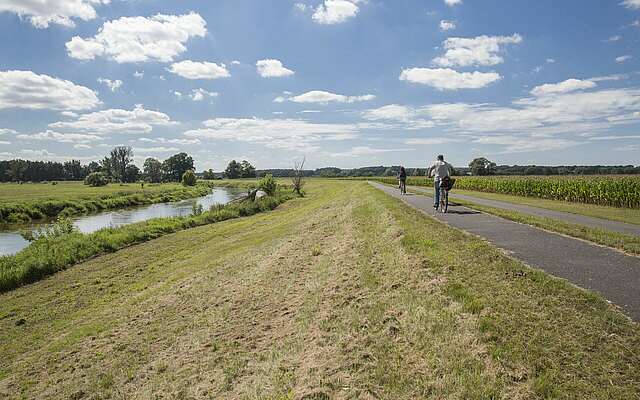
(120, 158)
(247, 170)
(209, 175)
(234, 170)
(175, 166)
(189, 178)
(152, 170)
(481, 166)
(96, 179)
(131, 174)
(268, 185)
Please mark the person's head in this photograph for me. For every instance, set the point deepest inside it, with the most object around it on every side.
(440, 157)
(402, 168)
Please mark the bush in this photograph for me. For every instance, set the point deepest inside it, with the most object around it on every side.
(189, 178)
(96, 179)
(268, 185)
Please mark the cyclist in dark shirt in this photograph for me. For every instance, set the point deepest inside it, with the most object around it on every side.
(402, 178)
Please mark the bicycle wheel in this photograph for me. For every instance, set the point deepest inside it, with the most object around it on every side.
(446, 201)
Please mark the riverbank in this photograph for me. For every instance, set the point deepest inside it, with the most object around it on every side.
(346, 293)
(64, 246)
(35, 202)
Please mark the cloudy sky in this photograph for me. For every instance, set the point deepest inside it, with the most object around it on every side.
(341, 82)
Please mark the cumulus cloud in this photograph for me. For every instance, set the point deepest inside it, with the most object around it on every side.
(151, 150)
(447, 25)
(452, 3)
(632, 4)
(113, 85)
(4, 131)
(332, 12)
(570, 85)
(478, 51)
(449, 79)
(42, 13)
(25, 89)
(170, 141)
(272, 69)
(389, 112)
(61, 137)
(200, 94)
(139, 39)
(623, 59)
(139, 74)
(199, 70)
(291, 134)
(139, 120)
(320, 96)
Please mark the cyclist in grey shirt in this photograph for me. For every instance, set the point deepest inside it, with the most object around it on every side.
(439, 169)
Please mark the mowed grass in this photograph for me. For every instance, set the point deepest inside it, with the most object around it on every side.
(29, 192)
(346, 293)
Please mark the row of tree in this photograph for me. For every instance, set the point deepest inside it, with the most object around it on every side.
(118, 166)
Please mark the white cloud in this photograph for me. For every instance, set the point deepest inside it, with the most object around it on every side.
(235, 62)
(452, 3)
(272, 69)
(481, 50)
(526, 144)
(632, 4)
(199, 70)
(358, 151)
(177, 94)
(301, 7)
(138, 120)
(570, 85)
(332, 12)
(623, 59)
(291, 134)
(432, 141)
(389, 112)
(41, 13)
(550, 60)
(279, 99)
(150, 150)
(170, 141)
(81, 146)
(448, 79)
(61, 137)
(139, 74)
(628, 147)
(4, 143)
(4, 131)
(447, 25)
(614, 38)
(113, 85)
(200, 94)
(140, 39)
(25, 89)
(320, 96)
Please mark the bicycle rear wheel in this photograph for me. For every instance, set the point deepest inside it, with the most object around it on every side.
(446, 201)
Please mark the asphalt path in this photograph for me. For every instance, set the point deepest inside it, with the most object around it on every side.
(614, 226)
(613, 274)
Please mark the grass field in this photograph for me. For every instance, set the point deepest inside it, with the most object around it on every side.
(33, 201)
(345, 293)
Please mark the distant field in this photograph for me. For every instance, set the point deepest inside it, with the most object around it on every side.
(32, 201)
(605, 190)
(27, 192)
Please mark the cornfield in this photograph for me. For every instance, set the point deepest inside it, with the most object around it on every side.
(606, 190)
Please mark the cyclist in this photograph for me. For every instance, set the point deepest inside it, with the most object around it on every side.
(402, 178)
(439, 169)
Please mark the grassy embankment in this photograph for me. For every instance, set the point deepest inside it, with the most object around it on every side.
(346, 293)
(33, 201)
(64, 246)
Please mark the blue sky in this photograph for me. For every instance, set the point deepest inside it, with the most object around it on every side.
(341, 82)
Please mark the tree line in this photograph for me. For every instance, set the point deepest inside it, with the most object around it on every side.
(117, 166)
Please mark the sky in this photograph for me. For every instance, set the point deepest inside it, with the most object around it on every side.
(343, 83)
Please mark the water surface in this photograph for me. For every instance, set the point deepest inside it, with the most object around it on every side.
(11, 241)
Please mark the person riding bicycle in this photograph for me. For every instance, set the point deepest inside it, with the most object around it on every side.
(402, 179)
(440, 170)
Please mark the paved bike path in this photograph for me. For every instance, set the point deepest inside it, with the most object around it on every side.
(614, 226)
(611, 273)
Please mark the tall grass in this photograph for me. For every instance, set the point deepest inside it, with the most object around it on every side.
(15, 212)
(61, 249)
(604, 190)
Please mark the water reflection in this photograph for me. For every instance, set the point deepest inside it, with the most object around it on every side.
(11, 241)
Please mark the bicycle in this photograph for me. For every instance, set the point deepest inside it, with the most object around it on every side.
(444, 200)
(403, 187)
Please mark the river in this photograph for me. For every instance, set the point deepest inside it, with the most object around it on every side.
(11, 241)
